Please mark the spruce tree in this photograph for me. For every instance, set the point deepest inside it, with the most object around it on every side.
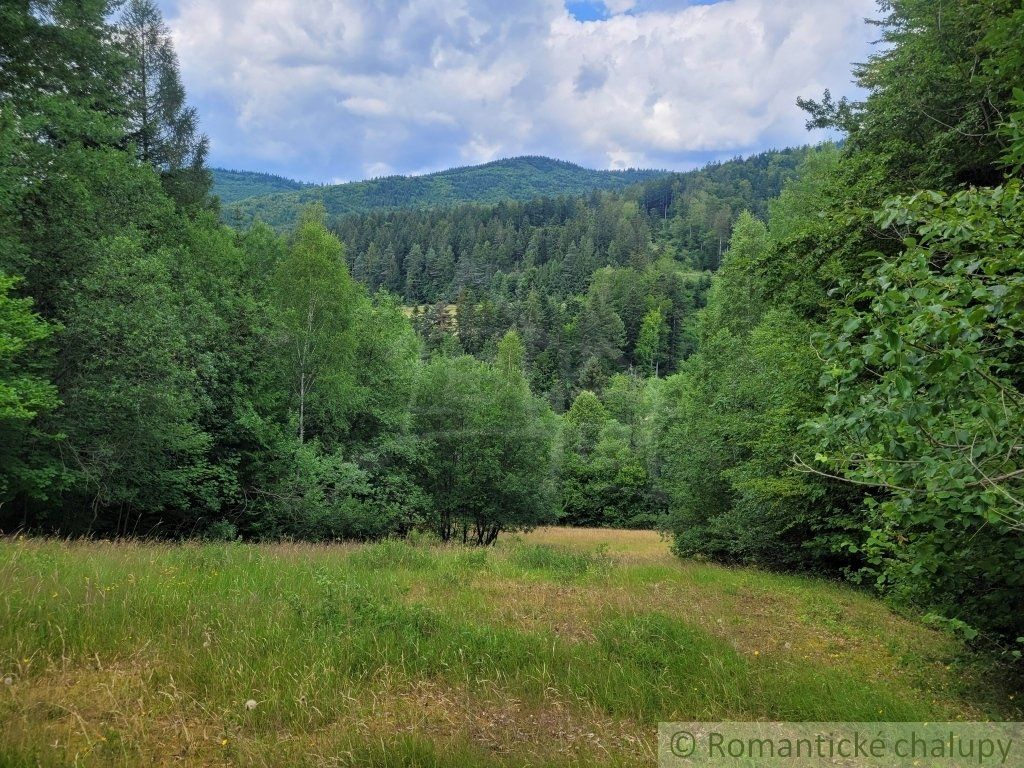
(159, 122)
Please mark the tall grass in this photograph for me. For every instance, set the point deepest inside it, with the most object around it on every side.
(120, 652)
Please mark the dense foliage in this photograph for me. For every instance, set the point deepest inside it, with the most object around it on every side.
(607, 458)
(856, 402)
(161, 374)
(485, 455)
(926, 378)
(594, 286)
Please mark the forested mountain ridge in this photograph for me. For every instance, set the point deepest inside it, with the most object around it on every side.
(231, 185)
(555, 244)
(517, 178)
(595, 286)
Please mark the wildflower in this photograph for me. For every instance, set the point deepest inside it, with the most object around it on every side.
(250, 704)
(223, 742)
(8, 680)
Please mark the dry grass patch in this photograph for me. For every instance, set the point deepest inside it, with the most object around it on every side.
(125, 715)
(626, 546)
(117, 714)
(495, 721)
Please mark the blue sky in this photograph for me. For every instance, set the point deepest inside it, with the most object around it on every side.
(335, 90)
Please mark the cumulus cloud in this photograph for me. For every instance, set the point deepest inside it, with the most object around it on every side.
(323, 89)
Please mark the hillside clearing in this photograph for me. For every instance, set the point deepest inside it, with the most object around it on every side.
(562, 647)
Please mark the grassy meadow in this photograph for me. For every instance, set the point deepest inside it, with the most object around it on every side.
(559, 648)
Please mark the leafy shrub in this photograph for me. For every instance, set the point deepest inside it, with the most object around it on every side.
(926, 409)
(221, 530)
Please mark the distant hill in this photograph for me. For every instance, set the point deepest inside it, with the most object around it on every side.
(232, 186)
(429, 255)
(518, 178)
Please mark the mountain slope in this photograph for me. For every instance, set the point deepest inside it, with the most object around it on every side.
(431, 254)
(519, 178)
(231, 186)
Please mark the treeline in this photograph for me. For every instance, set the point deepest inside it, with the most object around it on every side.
(161, 374)
(517, 178)
(856, 401)
(229, 186)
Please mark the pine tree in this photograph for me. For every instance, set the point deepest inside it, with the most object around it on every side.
(391, 271)
(368, 269)
(56, 64)
(599, 332)
(159, 122)
(415, 276)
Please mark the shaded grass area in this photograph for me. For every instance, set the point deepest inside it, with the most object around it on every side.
(544, 651)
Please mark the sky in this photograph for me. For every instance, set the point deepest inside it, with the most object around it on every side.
(339, 90)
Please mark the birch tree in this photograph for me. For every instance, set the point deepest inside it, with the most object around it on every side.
(316, 301)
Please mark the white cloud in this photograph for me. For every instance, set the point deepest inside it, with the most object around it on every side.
(326, 88)
(364, 105)
(374, 170)
(619, 6)
(479, 151)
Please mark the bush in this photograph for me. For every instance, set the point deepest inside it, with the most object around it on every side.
(221, 530)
